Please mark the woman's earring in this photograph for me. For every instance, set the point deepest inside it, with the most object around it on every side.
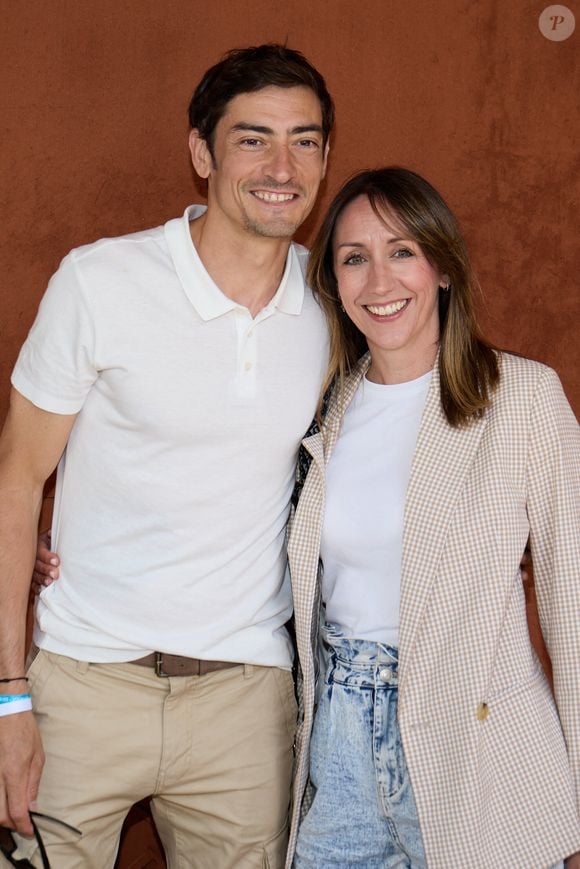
(447, 288)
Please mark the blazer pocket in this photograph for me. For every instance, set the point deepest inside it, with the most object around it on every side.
(518, 687)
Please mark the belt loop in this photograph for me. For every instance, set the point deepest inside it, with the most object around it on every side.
(248, 671)
(82, 667)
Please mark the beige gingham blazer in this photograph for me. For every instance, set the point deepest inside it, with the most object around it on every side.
(495, 768)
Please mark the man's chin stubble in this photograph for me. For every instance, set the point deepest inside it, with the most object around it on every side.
(273, 229)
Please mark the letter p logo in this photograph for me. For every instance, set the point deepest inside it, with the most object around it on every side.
(557, 23)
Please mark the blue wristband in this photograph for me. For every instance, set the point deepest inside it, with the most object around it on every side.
(10, 704)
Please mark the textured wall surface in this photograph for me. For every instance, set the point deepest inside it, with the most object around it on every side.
(470, 94)
(93, 138)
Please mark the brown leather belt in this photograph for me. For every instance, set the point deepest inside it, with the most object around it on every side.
(178, 665)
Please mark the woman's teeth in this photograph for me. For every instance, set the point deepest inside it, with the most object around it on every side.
(387, 310)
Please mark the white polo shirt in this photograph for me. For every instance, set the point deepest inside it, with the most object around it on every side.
(172, 496)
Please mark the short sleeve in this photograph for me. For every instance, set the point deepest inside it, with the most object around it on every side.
(56, 365)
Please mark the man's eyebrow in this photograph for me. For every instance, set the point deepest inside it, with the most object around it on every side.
(251, 128)
(307, 128)
(243, 126)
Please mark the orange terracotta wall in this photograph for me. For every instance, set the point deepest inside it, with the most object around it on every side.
(93, 142)
(471, 94)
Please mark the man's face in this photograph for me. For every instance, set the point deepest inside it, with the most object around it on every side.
(268, 161)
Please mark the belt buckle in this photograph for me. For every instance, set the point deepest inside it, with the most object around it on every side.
(159, 671)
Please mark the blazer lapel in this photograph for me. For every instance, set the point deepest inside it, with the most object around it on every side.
(443, 457)
(304, 539)
(339, 403)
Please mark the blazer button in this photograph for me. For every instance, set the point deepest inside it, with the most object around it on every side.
(482, 711)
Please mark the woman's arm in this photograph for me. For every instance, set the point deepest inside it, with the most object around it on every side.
(553, 500)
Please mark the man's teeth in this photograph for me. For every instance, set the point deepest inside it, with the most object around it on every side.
(273, 197)
(387, 310)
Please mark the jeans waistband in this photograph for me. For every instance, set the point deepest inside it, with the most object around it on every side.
(360, 662)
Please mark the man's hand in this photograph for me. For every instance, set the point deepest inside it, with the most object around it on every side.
(573, 861)
(46, 564)
(21, 748)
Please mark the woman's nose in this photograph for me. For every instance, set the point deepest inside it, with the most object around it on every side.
(381, 276)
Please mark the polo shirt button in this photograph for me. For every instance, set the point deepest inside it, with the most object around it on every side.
(385, 675)
(247, 366)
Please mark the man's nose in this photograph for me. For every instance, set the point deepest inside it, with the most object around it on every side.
(281, 164)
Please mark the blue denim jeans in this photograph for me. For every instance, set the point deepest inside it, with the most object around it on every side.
(364, 812)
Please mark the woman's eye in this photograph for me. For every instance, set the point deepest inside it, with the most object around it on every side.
(354, 259)
(403, 253)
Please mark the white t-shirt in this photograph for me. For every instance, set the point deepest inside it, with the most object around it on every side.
(173, 493)
(366, 485)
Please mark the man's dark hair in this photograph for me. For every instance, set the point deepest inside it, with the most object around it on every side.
(245, 70)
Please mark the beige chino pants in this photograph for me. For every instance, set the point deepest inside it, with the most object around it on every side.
(215, 752)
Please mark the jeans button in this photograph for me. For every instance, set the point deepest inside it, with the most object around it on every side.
(385, 675)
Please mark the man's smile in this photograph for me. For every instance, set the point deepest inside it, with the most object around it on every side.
(270, 196)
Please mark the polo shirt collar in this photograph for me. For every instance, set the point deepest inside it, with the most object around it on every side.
(204, 294)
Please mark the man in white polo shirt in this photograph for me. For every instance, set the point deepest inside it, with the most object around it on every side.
(175, 371)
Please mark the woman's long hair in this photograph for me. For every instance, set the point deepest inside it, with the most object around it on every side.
(468, 366)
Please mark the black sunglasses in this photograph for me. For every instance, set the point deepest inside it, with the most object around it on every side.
(8, 844)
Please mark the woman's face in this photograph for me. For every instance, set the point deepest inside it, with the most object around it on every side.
(388, 289)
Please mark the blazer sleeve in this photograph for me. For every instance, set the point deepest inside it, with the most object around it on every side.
(553, 501)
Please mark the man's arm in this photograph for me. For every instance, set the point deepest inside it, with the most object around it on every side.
(30, 446)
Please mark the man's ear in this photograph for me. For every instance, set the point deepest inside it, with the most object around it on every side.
(200, 154)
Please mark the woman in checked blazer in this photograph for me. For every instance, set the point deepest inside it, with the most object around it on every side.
(436, 740)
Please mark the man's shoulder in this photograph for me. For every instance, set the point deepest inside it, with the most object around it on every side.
(112, 248)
